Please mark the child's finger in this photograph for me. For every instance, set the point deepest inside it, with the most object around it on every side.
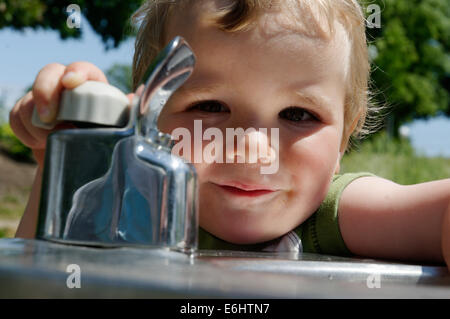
(130, 97)
(79, 72)
(25, 113)
(47, 90)
(19, 129)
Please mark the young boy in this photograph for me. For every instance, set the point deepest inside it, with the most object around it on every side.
(299, 66)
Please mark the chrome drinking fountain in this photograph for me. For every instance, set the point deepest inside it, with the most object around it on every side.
(114, 182)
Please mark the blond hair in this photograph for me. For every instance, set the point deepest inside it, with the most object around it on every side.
(239, 15)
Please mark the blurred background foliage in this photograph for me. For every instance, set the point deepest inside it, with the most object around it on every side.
(9, 143)
(394, 159)
(120, 75)
(411, 61)
(109, 18)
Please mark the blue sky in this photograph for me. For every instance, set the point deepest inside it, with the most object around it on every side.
(23, 54)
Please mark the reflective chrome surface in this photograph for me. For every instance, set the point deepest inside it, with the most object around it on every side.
(38, 269)
(109, 187)
(169, 71)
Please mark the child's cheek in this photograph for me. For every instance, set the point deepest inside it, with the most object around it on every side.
(311, 162)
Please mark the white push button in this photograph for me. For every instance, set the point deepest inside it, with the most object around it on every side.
(91, 102)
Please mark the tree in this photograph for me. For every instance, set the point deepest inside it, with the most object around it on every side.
(109, 18)
(411, 60)
(120, 76)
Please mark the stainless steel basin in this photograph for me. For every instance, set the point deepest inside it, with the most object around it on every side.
(38, 269)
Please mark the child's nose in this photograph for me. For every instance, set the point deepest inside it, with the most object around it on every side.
(251, 147)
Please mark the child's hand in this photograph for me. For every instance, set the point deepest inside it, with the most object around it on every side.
(446, 237)
(45, 96)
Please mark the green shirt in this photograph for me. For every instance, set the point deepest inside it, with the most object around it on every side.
(320, 233)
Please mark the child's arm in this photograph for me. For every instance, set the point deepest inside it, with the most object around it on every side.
(381, 219)
(28, 223)
(446, 237)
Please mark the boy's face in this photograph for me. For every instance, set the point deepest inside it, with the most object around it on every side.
(253, 77)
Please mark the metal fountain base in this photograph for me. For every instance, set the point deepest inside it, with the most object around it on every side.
(39, 269)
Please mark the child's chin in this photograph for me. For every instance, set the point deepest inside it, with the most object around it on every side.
(244, 237)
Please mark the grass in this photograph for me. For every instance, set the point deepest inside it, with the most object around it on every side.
(6, 232)
(10, 199)
(396, 161)
(11, 210)
(3, 232)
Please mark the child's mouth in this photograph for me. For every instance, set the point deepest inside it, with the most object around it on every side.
(241, 192)
(245, 192)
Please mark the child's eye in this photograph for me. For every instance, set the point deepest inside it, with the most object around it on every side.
(209, 106)
(297, 114)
